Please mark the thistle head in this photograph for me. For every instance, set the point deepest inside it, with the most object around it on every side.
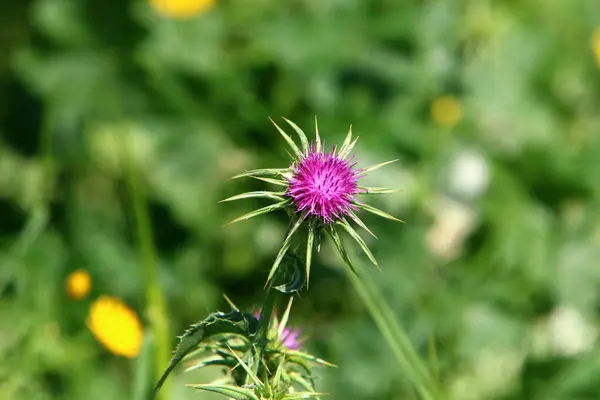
(320, 191)
(323, 184)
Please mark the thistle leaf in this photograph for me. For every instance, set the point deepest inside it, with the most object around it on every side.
(207, 363)
(263, 172)
(301, 381)
(284, 318)
(286, 245)
(348, 150)
(378, 190)
(306, 357)
(288, 139)
(233, 392)
(298, 275)
(359, 222)
(317, 137)
(303, 395)
(300, 133)
(249, 372)
(260, 211)
(377, 211)
(309, 249)
(215, 324)
(346, 142)
(344, 224)
(261, 193)
(376, 166)
(277, 182)
(340, 248)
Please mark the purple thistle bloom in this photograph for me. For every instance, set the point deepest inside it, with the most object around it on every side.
(320, 190)
(323, 184)
(289, 338)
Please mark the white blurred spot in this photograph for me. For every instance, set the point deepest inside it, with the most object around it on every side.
(468, 175)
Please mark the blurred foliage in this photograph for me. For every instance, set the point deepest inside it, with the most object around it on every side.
(491, 106)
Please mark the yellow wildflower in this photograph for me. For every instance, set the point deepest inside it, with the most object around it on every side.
(116, 326)
(181, 8)
(78, 284)
(596, 45)
(446, 111)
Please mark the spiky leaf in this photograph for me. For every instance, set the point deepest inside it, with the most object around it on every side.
(263, 172)
(300, 133)
(317, 137)
(288, 139)
(360, 223)
(376, 211)
(344, 224)
(340, 248)
(286, 245)
(376, 166)
(309, 249)
(215, 324)
(260, 211)
(260, 194)
(378, 190)
(232, 392)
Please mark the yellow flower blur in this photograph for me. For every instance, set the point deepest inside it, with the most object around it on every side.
(78, 284)
(181, 8)
(596, 45)
(116, 326)
(446, 111)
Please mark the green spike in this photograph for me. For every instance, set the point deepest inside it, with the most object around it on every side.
(348, 150)
(346, 141)
(285, 246)
(377, 211)
(309, 250)
(260, 211)
(340, 248)
(246, 368)
(344, 224)
(233, 392)
(261, 194)
(277, 182)
(377, 190)
(262, 172)
(300, 133)
(288, 139)
(317, 137)
(284, 318)
(361, 224)
(376, 166)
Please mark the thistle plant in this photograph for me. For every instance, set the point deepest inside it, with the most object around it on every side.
(263, 358)
(320, 191)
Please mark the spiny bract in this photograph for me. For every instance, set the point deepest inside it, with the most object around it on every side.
(320, 189)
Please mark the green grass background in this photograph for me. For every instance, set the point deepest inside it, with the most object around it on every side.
(120, 130)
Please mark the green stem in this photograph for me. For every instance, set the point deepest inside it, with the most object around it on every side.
(266, 315)
(393, 333)
(155, 300)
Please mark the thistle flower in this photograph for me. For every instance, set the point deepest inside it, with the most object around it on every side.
(287, 337)
(320, 192)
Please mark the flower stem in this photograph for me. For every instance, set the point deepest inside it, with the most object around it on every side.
(393, 333)
(155, 301)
